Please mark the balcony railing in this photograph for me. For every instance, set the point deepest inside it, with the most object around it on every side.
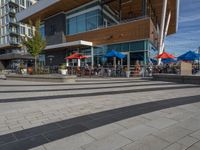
(13, 42)
(14, 22)
(14, 2)
(13, 11)
(14, 32)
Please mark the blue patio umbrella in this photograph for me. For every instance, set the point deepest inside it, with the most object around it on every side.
(189, 56)
(153, 61)
(114, 53)
(168, 60)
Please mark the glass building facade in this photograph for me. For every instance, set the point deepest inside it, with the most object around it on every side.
(88, 18)
(85, 19)
(138, 51)
(91, 17)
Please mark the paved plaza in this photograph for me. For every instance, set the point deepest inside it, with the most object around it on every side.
(99, 114)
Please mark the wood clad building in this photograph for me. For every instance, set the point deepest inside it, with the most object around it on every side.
(94, 27)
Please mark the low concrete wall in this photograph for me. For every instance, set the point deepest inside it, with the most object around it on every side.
(41, 78)
(177, 78)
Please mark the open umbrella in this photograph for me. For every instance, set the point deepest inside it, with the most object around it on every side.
(168, 60)
(165, 55)
(73, 56)
(76, 56)
(114, 53)
(153, 61)
(189, 56)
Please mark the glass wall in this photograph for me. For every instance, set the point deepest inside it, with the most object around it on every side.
(42, 31)
(83, 22)
(128, 47)
(138, 51)
(89, 18)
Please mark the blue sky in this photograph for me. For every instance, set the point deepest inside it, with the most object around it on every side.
(188, 35)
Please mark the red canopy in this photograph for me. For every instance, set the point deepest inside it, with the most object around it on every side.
(73, 56)
(83, 57)
(76, 56)
(165, 55)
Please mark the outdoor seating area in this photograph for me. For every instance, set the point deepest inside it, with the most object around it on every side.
(115, 67)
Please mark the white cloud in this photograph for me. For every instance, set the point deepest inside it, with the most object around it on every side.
(188, 35)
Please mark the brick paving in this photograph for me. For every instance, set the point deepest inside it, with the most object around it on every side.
(126, 114)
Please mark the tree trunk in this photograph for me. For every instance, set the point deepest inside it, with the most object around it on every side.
(35, 64)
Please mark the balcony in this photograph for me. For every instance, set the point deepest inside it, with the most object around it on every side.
(13, 2)
(14, 32)
(13, 22)
(12, 12)
(14, 42)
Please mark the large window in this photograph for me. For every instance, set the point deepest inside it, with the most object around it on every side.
(83, 22)
(42, 30)
(92, 20)
(22, 30)
(72, 26)
(89, 17)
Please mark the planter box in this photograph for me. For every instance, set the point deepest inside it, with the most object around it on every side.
(128, 73)
(63, 71)
(42, 78)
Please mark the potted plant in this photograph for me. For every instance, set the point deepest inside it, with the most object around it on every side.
(128, 72)
(23, 69)
(63, 69)
(30, 70)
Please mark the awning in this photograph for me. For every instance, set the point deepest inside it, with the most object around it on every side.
(15, 56)
(69, 44)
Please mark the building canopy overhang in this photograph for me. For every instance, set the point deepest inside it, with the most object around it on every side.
(8, 46)
(13, 56)
(45, 9)
(73, 44)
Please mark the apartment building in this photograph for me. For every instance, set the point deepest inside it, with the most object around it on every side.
(11, 51)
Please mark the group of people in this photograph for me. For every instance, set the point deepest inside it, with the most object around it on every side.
(166, 68)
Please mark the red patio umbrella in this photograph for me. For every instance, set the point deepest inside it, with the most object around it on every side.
(165, 55)
(73, 56)
(83, 57)
(76, 56)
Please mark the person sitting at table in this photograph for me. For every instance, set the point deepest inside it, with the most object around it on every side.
(137, 67)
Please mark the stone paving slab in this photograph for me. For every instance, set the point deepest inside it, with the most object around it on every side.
(176, 146)
(196, 134)
(138, 132)
(195, 146)
(104, 131)
(72, 143)
(172, 134)
(187, 141)
(149, 142)
(112, 142)
(161, 123)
